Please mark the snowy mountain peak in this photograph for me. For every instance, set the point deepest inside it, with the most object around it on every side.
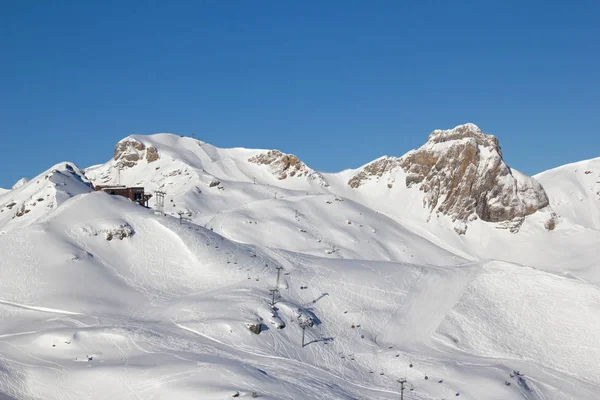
(283, 166)
(463, 175)
(34, 199)
(20, 183)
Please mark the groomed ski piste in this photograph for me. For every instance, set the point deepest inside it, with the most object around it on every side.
(102, 298)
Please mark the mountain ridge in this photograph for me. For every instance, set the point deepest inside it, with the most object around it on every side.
(248, 285)
(502, 196)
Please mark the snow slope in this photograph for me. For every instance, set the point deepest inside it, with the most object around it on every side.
(574, 191)
(103, 298)
(29, 201)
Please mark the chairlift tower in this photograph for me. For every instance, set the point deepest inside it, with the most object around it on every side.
(402, 382)
(274, 293)
(183, 219)
(304, 325)
(160, 201)
(279, 268)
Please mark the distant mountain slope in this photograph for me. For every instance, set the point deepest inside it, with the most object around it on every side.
(33, 199)
(574, 191)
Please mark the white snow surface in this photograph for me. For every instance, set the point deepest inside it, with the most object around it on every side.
(20, 183)
(574, 191)
(162, 309)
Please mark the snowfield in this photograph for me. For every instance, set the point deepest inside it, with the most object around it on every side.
(102, 298)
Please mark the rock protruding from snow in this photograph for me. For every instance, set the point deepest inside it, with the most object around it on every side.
(283, 166)
(20, 183)
(128, 152)
(375, 169)
(463, 175)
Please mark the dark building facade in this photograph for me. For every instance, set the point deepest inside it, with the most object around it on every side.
(135, 194)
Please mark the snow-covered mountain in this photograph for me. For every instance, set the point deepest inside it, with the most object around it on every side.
(574, 191)
(443, 267)
(31, 200)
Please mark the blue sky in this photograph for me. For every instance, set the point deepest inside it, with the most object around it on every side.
(338, 84)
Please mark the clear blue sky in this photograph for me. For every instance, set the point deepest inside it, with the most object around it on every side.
(338, 84)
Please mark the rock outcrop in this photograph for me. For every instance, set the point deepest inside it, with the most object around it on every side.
(128, 152)
(463, 175)
(255, 328)
(284, 166)
(375, 169)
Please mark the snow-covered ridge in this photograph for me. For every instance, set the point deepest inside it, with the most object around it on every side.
(460, 173)
(574, 191)
(35, 198)
(20, 183)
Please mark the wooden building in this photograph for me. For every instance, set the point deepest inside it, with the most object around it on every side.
(135, 194)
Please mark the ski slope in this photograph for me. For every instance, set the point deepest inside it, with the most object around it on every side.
(574, 191)
(103, 298)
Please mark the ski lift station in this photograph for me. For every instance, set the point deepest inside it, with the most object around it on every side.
(135, 194)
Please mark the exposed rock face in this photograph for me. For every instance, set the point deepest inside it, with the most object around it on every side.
(463, 175)
(255, 328)
(284, 166)
(128, 152)
(151, 154)
(376, 169)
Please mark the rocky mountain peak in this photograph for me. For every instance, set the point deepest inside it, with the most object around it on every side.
(463, 175)
(468, 131)
(284, 166)
(129, 151)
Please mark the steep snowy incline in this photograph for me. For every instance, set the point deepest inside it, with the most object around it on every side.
(31, 200)
(330, 226)
(503, 317)
(574, 191)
